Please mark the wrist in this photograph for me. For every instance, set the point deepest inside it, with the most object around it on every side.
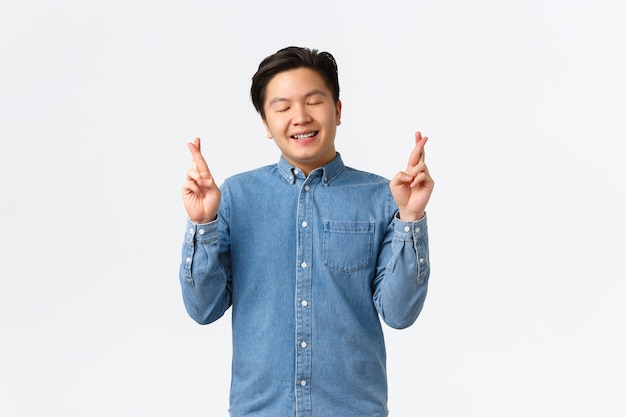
(410, 216)
(203, 220)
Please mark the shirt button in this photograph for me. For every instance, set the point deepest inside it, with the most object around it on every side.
(304, 303)
(306, 188)
(302, 383)
(407, 229)
(417, 230)
(421, 260)
(303, 344)
(188, 259)
(296, 171)
(303, 264)
(304, 224)
(191, 230)
(201, 231)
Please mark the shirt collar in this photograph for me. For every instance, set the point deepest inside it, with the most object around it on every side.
(330, 171)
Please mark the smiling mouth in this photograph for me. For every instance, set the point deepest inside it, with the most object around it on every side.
(304, 136)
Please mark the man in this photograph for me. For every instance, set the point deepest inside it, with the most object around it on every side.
(308, 252)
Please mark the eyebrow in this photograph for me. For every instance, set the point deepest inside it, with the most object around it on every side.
(313, 92)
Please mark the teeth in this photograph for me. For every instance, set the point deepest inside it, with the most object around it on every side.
(304, 136)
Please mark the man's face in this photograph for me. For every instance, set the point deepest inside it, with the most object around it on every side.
(302, 118)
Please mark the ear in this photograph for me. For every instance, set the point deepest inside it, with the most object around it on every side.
(338, 112)
(267, 128)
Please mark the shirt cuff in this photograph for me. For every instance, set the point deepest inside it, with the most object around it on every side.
(202, 233)
(408, 230)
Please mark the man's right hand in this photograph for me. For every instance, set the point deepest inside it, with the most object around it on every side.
(201, 196)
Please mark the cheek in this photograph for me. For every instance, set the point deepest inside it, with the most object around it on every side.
(331, 119)
(277, 124)
(269, 127)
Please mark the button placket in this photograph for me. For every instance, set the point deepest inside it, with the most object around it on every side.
(304, 241)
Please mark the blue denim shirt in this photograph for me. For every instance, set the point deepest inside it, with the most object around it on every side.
(309, 264)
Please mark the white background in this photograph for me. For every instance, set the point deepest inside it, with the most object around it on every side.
(524, 104)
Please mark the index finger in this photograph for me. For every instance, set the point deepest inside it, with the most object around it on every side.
(199, 162)
(417, 154)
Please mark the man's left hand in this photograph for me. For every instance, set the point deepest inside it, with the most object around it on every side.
(412, 188)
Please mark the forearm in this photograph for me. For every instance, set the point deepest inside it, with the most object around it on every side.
(203, 277)
(402, 284)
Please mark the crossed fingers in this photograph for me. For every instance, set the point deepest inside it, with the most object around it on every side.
(416, 164)
(198, 162)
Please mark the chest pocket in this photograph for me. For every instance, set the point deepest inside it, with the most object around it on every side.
(348, 245)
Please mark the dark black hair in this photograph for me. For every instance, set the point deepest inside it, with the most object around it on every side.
(289, 58)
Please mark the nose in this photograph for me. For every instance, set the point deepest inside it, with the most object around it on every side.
(301, 115)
